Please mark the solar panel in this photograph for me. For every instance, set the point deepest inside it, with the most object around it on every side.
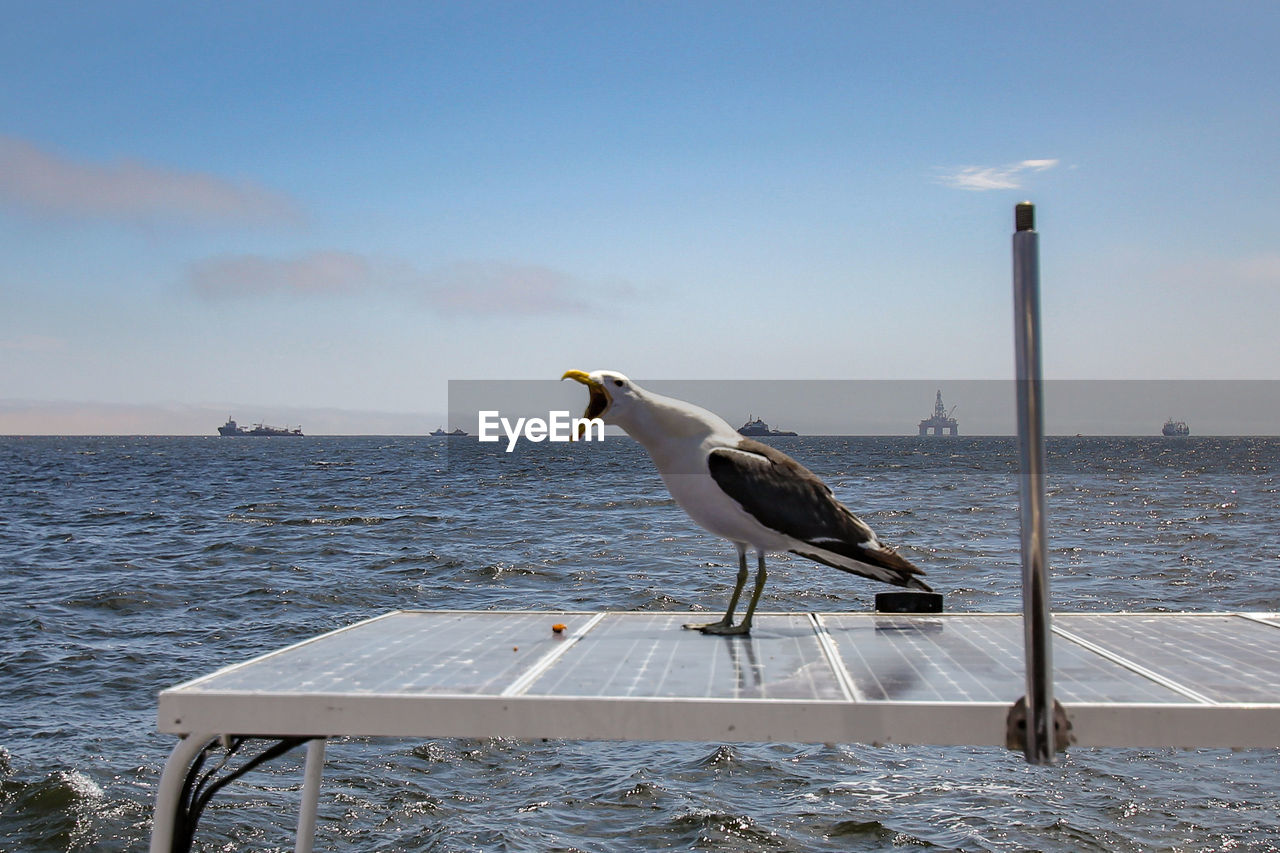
(406, 652)
(1127, 679)
(649, 654)
(1225, 658)
(970, 658)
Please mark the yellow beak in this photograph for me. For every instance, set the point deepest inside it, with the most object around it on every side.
(597, 400)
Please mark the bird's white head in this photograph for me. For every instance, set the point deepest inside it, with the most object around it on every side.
(611, 394)
(647, 417)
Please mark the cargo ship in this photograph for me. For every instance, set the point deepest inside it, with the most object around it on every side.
(1172, 427)
(232, 428)
(756, 426)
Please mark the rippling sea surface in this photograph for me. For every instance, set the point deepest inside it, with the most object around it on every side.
(131, 564)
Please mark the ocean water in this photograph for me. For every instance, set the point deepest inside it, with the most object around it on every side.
(131, 564)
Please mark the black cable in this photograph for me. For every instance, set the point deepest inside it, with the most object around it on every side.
(198, 789)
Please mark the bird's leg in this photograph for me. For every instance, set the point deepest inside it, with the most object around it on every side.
(761, 576)
(737, 588)
(743, 628)
(727, 621)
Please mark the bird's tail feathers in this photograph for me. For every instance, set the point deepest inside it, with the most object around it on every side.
(881, 564)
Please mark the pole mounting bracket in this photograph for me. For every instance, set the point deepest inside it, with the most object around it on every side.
(1015, 733)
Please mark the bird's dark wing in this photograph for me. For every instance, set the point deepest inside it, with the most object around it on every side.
(785, 496)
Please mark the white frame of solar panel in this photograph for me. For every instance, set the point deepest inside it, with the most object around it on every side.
(713, 688)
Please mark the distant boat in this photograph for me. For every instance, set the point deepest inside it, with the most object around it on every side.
(1172, 427)
(438, 431)
(232, 428)
(756, 426)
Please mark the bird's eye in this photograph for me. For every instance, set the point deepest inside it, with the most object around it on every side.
(618, 382)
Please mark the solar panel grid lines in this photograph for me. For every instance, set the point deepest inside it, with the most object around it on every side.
(720, 667)
(1219, 656)
(971, 658)
(993, 650)
(404, 652)
(563, 644)
(1133, 666)
(653, 666)
(369, 671)
(877, 657)
(790, 661)
(265, 658)
(1083, 673)
(1006, 653)
(639, 655)
(866, 677)
(848, 688)
(552, 680)
(910, 666)
(412, 657)
(924, 659)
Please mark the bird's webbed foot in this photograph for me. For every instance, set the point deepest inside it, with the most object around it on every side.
(723, 628)
(708, 626)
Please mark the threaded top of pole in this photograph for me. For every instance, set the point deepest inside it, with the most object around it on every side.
(1024, 216)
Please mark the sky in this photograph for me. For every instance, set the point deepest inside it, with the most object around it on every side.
(322, 213)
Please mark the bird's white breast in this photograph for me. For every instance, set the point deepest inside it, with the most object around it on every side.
(679, 437)
(691, 484)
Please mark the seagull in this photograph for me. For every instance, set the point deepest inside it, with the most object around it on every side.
(748, 492)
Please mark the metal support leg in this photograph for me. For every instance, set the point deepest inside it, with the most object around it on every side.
(310, 796)
(1039, 744)
(168, 798)
(187, 786)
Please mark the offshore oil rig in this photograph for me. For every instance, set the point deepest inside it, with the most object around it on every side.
(940, 420)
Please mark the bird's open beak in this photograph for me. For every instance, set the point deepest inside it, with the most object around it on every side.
(598, 399)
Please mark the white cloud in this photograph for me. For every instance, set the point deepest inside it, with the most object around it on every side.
(464, 288)
(253, 275)
(503, 288)
(994, 177)
(46, 182)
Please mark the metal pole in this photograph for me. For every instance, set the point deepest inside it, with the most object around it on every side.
(1038, 744)
(312, 775)
(169, 794)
